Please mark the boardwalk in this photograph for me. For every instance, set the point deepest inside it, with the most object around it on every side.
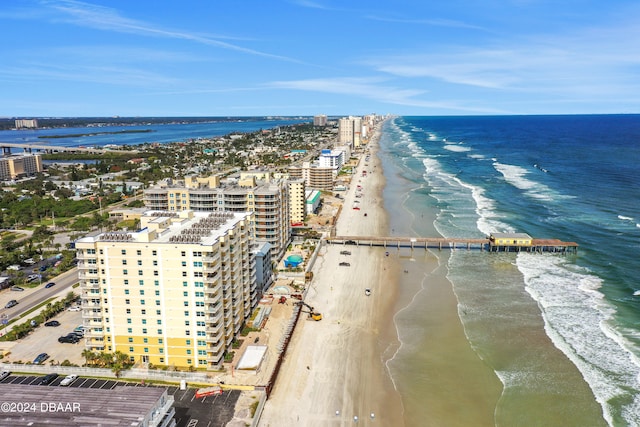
(537, 245)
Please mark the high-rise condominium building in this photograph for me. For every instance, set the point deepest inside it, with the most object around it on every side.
(268, 200)
(320, 120)
(19, 165)
(315, 177)
(350, 131)
(296, 201)
(26, 123)
(176, 292)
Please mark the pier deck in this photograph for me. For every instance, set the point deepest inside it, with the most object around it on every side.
(537, 245)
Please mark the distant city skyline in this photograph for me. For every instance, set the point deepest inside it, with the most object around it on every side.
(67, 58)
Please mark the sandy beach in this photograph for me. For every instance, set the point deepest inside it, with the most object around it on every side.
(333, 370)
(341, 367)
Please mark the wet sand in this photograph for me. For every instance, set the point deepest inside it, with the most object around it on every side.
(352, 363)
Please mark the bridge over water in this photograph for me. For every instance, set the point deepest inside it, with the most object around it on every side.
(48, 148)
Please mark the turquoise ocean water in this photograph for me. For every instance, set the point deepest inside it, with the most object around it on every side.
(574, 178)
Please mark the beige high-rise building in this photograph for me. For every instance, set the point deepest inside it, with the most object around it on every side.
(350, 131)
(175, 293)
(26, 123)
(315, 177)
(320, 120)
(268, 200)
(19, 165)
(296, 201)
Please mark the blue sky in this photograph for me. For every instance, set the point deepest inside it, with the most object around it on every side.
(306, 57)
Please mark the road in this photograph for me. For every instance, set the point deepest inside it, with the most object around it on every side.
(30, 298)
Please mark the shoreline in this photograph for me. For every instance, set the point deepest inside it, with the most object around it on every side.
(335, 369)
(453, 386)
(360, 360)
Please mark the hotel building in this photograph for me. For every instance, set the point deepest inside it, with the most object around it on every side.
(19, 165)
(268, 200)
(176, 293)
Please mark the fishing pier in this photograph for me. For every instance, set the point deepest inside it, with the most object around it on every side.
(496, 242)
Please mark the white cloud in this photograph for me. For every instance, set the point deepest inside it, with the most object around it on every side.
(108, 19)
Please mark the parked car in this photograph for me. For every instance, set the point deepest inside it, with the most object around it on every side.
(48, 379)
(49, 285)
(70, 339)
(344, 264)
(52, 323)
(68, 380)
(11, 303)
(40, 358)
(4, 374)
(17, 288)
(32, 277)
(14, 267)
(29, 261)
(43, 267)
(74, 308)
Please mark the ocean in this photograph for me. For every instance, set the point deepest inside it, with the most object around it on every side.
(561, 332)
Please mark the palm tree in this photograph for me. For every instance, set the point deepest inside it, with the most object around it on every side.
(88, 356)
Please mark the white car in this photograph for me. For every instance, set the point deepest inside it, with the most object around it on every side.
(4, 374)
(74, 308)
(68, 379)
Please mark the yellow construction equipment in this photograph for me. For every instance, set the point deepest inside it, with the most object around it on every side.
(312, 313)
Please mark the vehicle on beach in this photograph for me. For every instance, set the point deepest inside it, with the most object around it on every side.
(345, 253)
(367, 292)
(344, 264)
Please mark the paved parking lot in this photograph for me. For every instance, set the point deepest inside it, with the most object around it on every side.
(45, 339)
(210, 411)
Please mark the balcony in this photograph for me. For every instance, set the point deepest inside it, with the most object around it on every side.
(91, 314)
(212, 259)
(215, 318)
(213, 308)
(215, 330)
(89, 285)
(216, 348)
